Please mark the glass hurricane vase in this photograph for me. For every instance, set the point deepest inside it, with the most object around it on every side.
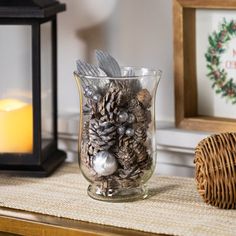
(117, 133)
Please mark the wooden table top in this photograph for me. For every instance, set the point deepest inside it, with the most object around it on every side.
(34, 224)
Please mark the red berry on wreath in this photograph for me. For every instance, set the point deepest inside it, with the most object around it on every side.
(233, 27)
(230, 92)
(216, 74)
(219, 45)
(224, 32)
(222, 35)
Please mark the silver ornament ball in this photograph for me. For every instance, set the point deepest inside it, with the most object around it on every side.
(129, 132)
(88, 92)
(121, 130)
(104, 163)
(97, 97)
(131, 118)
(123, 116)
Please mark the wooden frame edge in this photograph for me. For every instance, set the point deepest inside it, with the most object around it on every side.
(189, 118)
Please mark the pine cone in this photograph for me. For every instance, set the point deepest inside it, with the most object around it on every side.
(111, 101)
(87, 153)
(148, 116)
(126, 157)
(108, 185)
(138, 111)
(145, 98)
(141, 152)
(146, 164)
(130, 87)
(125, 142)
(140, 134)
(93, 106)
(133, 171)
(133, 104)
(92, 150)
(102, 134)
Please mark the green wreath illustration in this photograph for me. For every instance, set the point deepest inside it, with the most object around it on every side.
(218, 42)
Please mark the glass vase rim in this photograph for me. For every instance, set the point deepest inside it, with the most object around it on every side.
(155, 73)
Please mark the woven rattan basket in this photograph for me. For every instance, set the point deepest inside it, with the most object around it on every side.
(215, 170)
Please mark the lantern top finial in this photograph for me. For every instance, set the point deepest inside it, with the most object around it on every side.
(30, 8)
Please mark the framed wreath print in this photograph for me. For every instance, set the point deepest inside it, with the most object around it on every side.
(205, 64)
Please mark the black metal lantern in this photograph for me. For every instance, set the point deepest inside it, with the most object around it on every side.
(28, 86)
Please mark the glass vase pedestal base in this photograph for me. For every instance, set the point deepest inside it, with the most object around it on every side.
(117, 195)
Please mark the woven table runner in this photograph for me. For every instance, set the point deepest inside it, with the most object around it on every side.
(174, 206)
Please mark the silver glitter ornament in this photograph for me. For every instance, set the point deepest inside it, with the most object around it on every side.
(104, 163)
(121, 130)
(123, 116)
(88, 92)
(129, 132)
(97, 97)
(87, 88)
(131, 118)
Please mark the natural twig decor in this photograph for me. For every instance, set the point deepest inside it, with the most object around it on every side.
(215, 159)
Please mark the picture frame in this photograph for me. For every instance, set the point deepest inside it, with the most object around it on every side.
(186, 93)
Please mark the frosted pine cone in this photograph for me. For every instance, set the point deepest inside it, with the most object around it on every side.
(102, 134)
(87, 153)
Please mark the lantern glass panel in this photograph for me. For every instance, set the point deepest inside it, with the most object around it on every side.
(46, 84)
(16, 113)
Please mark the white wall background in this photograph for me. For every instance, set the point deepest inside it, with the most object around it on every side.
(135, 32)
